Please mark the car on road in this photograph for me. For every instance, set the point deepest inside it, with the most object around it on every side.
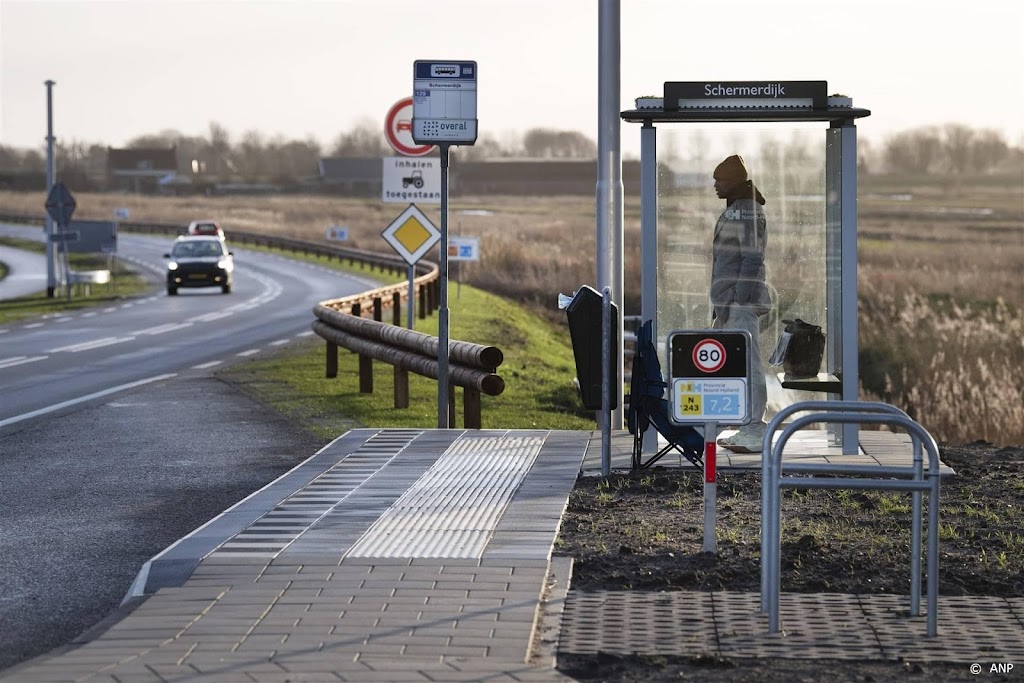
(199, 261)
(205, 227)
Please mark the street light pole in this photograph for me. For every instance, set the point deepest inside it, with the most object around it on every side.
(50, 278)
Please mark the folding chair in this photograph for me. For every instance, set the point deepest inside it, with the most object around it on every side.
(647, 406)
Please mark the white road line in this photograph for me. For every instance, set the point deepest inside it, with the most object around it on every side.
(305, 334)
(82, 399)
(19, 360)
(160, 329)
(88, 315)
(63, 320)
(279, 342)
(249, 352)
(206, 366)
(29, 327)
(109, 310)
(86, 346)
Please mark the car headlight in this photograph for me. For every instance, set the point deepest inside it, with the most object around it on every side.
(223, 264)
(172, 265)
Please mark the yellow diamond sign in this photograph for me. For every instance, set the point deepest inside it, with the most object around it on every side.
(411, 234)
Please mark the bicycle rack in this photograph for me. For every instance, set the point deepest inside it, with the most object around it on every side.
(772, 481)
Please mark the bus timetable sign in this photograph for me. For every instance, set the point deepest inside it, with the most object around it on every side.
(709, 376)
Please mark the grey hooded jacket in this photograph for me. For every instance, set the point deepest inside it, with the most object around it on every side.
(737, 270)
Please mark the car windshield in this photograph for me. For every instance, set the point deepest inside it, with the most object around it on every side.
(191, 249)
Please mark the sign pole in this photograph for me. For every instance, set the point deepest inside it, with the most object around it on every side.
(410, 314)
(50, 228)
(710, 486)
(442, 320)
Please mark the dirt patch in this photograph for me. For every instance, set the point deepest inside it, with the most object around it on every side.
(643, 531)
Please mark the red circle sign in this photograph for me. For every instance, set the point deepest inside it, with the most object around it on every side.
(398, 129)
(709, 355)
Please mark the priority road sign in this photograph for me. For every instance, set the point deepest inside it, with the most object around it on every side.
(411, 234)
(60, 203)
(709, 376)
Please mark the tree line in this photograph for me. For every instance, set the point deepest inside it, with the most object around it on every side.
(954, 149)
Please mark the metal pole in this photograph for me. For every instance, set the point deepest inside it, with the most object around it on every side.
(848, 198)
(609, 175)
(411, 313)
(50, 279)
(606, 400)
(442, 320)
(649, 246)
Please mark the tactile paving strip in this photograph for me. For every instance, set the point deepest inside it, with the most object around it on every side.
(452, 510)
(814, 626)
(290, 518)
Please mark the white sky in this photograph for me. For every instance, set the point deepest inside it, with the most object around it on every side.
(315, 68)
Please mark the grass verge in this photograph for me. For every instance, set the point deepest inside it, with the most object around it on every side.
(125, 283)
(538, 371)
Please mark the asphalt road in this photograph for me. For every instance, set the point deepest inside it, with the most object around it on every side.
(116, 440)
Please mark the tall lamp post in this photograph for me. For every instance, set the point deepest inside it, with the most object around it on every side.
(50, 279)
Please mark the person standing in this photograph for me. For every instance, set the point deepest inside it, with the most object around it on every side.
(739, 294)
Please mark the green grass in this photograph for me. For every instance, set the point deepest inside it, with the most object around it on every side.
(124, 283)
(538, 370)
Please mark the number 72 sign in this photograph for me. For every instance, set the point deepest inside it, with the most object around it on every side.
(709, 376)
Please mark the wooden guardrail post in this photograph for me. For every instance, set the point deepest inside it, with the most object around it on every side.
(423, 302)
(471, 408)
(332, 360)
(365, 374)
(401, 387)
(378, 309)
(396, 309)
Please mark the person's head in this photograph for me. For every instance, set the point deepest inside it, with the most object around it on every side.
(729, 175)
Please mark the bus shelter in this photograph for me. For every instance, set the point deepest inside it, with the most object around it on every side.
(800, 145)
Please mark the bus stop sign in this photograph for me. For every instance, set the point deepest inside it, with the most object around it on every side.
(709, 376)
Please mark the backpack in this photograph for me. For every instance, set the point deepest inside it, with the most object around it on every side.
(800, 349)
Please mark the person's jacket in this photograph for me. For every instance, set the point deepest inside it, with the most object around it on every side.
(737, 270)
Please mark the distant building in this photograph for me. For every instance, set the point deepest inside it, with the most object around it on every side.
(356, 176)
(528, 177)
(140, 170)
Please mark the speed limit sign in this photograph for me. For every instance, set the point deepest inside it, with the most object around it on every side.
(709, 355)
(709, 376)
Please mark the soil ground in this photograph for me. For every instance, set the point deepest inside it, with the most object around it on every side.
(643, 531)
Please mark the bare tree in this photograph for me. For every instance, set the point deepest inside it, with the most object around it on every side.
(366, 139)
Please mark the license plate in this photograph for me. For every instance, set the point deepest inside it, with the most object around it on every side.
(197, 276)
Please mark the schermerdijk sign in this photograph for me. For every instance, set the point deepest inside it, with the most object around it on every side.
(720, 93)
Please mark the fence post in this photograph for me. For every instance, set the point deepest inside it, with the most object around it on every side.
(396, 309)
(471, 408)
(365, 374)
(423, 302)
(332, 360)
(378, 309)
(401, 388)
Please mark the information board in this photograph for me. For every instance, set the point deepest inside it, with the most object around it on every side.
(709, 376)
(444, 102)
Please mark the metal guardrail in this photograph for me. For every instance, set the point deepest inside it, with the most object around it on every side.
(775, 475)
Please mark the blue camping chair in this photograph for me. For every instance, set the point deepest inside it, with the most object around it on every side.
(647, 406)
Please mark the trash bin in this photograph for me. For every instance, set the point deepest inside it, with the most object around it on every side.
(584, 312)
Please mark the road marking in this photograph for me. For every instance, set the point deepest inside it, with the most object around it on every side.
(19, 360)
(86, 346)
(249, 352)
(82, 399)
(305, 334)
(205, 366)
(28, 327)
(160, 329)
(88, 315)
(63, 320)
(279, 342)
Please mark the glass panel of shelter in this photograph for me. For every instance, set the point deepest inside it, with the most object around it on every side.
(787, 163)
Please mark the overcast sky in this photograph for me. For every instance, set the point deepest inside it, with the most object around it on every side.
(309, 68)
